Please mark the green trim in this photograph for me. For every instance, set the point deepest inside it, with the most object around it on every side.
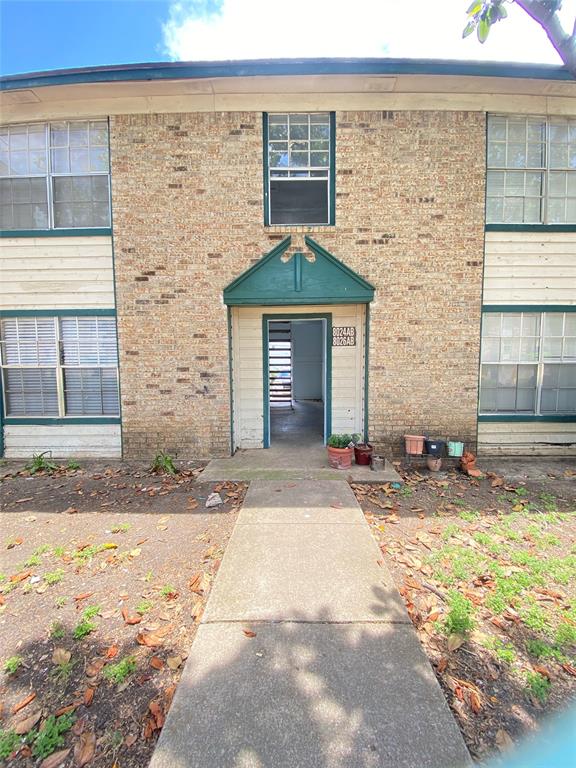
(282, 67)
(482, 284)
(34, 421)
(327, 316)
(265, 169)
(529, 308)
(231, 379)
(366, 370)
(530, 227)
(332, 189)
(512, 417)
(1, 416)
(99, 312)
(115, 289)
(297, 281)
(94, 231)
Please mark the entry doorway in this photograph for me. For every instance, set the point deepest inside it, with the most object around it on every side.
(297, 380)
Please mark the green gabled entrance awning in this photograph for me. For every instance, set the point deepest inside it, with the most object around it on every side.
(273, 282)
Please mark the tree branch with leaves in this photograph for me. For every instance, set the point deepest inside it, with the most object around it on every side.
(483, 14)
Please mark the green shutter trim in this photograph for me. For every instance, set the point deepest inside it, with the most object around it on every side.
(266, 383)
(265, 169)
(94, 231)
(47, 420)
(503, 417)
(332, 190)
(273, 282)
(230, 379)
(530, 227)
(366, 367)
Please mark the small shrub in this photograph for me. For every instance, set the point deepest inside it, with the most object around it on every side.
(163, 462)
(538, 686)
(339, 441)
(12, 665)
(118, 673)
(40, 463)
(51, 736)
(459, 619)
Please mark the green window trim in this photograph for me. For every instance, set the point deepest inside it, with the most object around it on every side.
(516, 417)
(84, 232)
(57, 420)
(331, 177)
(530, 227)
(529, 308)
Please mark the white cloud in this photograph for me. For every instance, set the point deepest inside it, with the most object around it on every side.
(253, 29)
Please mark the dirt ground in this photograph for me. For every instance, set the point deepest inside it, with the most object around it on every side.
(105, 572)
(487, 570)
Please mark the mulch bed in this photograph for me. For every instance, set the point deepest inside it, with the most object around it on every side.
(487, 570)
(105, 572)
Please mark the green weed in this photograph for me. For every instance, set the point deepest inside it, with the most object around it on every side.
(168, 590)
(51, 736)
(565, 635)
(12, 665)
(459, 619)
(163, 462)
(535, 618)
(60, 602)
(83, 628)
(120, 528)
(144, 606)
(452, 529)
(9, 742)
(538, 686)
(118, 673)
(542, 650)
(73, 465)
(59, 551)
(90, 612)
(33, 561)
(57, 630)
(40, 463)
(61, 673)
(53, 577)
(469, 515)
(42, 549)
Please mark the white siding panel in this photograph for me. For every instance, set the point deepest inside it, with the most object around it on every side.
(530, 438)
(247, 374)
(62, 440)
(530, 268)
(56, 272)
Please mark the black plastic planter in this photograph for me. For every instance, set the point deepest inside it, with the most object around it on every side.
(435, 447)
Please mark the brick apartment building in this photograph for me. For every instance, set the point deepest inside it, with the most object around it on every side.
(185, 244)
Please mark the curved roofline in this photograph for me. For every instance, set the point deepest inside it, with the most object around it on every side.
(179, 70)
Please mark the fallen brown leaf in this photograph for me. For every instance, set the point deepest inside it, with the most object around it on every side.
(56, 759)
(26, 724)
(128, 619)
(84, 749)
(88, 696)
(174, 662)
(249, 633)
(83, 596)
(570, 669)
(112, 652)
(61, 656)
(149, 639)
(23, 703)
(17, 577)
(156, 662)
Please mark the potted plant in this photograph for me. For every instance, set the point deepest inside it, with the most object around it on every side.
(340, 449)
(363, 453)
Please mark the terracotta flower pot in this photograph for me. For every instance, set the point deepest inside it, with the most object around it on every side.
(339, 458)
(363, 453)
(414, 444)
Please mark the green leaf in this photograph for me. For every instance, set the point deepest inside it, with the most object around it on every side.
(483, 30)
(501, 12)
(469, 28)
(474, 8)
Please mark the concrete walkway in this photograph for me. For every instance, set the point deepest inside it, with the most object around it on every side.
(305, 656)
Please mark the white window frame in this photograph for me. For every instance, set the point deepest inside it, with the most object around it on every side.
(59, 368)
(50, 175)
(539, 362)
(297, 172)
(544, 168)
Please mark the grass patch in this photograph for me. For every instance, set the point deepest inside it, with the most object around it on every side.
(543, 650)
(118, 673)
(459, 618)
(452, 529)
(33, 561)
(42, 549)
(538, 686)
(9, 742)
(469, 515)
(565, 635)
(144, 606)
(12, 665)
(51, 736)
(504, 652)
(53, 577)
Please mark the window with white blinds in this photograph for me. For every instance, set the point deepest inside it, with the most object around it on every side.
(64, 366)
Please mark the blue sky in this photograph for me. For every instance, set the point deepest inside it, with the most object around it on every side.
(54, 34)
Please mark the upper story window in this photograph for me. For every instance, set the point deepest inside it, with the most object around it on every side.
(54, 175)
(300, 168)
(531, 175)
